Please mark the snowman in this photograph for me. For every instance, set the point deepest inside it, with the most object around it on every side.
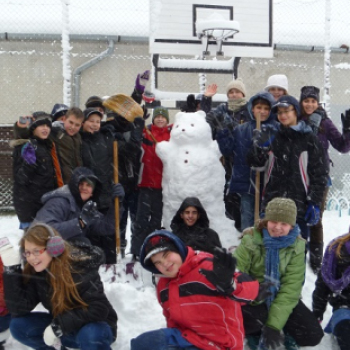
(192, 168)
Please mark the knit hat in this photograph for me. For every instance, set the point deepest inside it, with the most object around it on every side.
(94, 101)
(236, 84)
(157, 244)
(40, 118)
(161, 111)
(310, 91)
(282, 210)
(277, 80)
(88, 111)
(59, 110)
(285, 101)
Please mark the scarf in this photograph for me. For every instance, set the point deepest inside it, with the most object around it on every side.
(273, 246)
(235, 105)
(329, 266)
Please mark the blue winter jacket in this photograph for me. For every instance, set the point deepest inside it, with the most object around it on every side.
(239, 142)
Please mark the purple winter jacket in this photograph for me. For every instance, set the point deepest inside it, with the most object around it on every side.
(329, 134)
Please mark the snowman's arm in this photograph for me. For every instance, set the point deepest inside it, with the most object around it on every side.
(162, 149)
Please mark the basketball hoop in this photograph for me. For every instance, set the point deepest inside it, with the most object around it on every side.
(218, 30)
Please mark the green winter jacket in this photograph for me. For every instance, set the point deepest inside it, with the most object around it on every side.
(251, 255)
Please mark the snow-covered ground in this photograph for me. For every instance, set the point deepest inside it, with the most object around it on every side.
(135, 300)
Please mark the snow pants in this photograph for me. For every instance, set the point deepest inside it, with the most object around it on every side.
(29, 331)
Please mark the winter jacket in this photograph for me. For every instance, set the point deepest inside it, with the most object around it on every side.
(327, 133)
(152, 167)
(191, 303)
(68, 149)
(23, 295)
(239, 142)
(295, 167)
(199, 236)
(62, 207)
(251, 255)
(3, 308)
(323, 295)
(32, 181)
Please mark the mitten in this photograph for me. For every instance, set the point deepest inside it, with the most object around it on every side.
(224, 265)
(9, 255)
(146, 115)
(118, 191)
(318, 314)
(312, 215)
(272, 337)
(28, 153)
(141, 81)
(345, 120)
(264, 291)
(89, 213)
(50, 337)
(315, 121)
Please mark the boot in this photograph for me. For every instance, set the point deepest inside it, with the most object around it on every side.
(290, 343)
(316, 254)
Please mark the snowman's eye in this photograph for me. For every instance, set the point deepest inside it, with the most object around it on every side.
(177, 126)
(192, 124)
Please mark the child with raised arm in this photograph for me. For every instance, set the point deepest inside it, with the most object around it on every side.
(201, 298)
(273, 251)
(67, 283)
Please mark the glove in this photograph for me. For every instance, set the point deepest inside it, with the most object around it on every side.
(264, 291)
(50, 338)
(315, 121)
(118, 191)
(9, 255)
(272, 337)
(263, 138)
(146, 115)
(224, 265)
(28, 153)
(141, 81)
(318, 315)
(312, 215)
(89, 213)
(345, 120)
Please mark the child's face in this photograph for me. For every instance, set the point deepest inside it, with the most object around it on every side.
(234, 94)
(261, 111)
(72, 124)
(167, 263)
(190, 215)
(39, 262)
(160, 121)
(42, 132)
(277, 92)
(278, 228)
(92, 124)
(85, 190)
(309, 105)
(287, 116)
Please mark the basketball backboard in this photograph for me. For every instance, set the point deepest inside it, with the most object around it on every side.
(173, 27)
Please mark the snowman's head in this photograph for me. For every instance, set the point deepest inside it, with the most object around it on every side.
(191, 128)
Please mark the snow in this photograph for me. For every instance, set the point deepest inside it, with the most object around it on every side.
(135, 301)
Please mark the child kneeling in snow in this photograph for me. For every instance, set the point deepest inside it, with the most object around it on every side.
(201, 298)
(66, 281)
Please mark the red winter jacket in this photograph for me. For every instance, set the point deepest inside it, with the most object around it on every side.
(152, 167)
(192, 305)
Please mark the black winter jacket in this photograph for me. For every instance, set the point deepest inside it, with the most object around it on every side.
(32, 181)
(23, 296)
(199, 236)
(62, 207)
(295, 167)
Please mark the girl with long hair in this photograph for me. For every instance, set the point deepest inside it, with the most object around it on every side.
(65, 280)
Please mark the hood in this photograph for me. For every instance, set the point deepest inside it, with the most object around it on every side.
(266, 96)
(203, 220)
(175, 240)
(78, 175)
(301, 127)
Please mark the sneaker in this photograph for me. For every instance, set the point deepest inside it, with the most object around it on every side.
(253, 341)
(290, 343)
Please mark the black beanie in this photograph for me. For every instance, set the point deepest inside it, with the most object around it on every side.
(40, 118)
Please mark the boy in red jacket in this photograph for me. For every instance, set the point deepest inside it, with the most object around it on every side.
(201, 296)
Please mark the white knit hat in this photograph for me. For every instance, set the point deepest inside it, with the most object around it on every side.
(277, 80)
(236, 84)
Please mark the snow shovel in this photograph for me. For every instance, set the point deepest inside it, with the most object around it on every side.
(116, 200)
(257, 181)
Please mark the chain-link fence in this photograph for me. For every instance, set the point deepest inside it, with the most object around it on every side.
(105, 45)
